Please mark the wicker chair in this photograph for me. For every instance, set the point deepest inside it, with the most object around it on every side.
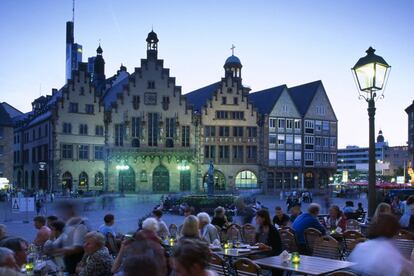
(218, 265)
(173, 229)
(327, 247)
(405, 247)
(311, 235)
(351, 239)
(404, 235)
(288, 240)
(233, 233)
(352, 224)
(249, 233)
(245, 267)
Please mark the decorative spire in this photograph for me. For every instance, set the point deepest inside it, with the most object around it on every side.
(232, 49)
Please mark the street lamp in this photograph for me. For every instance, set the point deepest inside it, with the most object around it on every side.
(296, 181)
(371, 74)
(122, 168)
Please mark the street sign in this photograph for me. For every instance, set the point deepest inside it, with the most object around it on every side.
(15, 205)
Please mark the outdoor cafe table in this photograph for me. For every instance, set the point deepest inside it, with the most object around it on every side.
(308, 265)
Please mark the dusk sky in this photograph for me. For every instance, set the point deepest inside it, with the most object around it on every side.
(278, 42)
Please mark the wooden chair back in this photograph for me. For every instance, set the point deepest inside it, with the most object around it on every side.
(111, 244)
(352, 224)
(233, 233)
(311, 236)
(288, 240)
(246, 267)
(218, 265)
(221, 233)
(350, 238)
(249, 234)
(327, 247)
(173, 229)
(405, 247)
(404, 235)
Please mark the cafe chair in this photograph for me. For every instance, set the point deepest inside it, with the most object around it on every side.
(249, 234)
(327, 247)
(233, 233)
(404, 235)
(350, 238)
(218, 265)
(288, 240)
(221, 232)
(111, 244)
(311, 235)
(290, 229)
(246, 267)
(352, 224)
(173, 229)
(342, 273)
(405, 247)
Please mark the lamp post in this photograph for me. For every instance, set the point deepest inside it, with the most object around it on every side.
(371, 74)
(121, 169)
(296, 181)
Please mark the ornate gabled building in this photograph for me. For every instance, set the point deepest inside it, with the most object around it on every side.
(229, 131)
(149, 127)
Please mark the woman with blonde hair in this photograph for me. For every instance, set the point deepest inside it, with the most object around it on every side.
(382, 208)
(190, 228)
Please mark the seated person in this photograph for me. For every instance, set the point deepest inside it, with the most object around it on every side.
(7, 259)
(208, 232)
(267, 236)
(19, 246)
(44, 232)
(190, 228)
(191, 257)
(280, 218)
(295, 212)
(96, 260)
(219, 218)
(336, 219)
(307, 220)
(108, 226)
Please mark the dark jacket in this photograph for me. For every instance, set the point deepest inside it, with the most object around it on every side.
(274, 241)
(303, 222)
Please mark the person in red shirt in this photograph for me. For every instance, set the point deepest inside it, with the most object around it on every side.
(44, 232)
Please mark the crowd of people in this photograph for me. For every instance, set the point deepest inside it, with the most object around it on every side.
(69, 244)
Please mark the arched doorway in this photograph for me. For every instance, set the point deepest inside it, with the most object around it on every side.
(99, 179)
(219, 181)
(160, 179)
(43, 183)
(246, 180)
(126, 180)
(83, 181)
(67, 181)
(185, 180)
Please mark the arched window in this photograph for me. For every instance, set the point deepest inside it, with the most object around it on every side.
(160, 179)
(246, 180)
(83, 181)
(67, 181)
(99, 179)
(219, 181)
